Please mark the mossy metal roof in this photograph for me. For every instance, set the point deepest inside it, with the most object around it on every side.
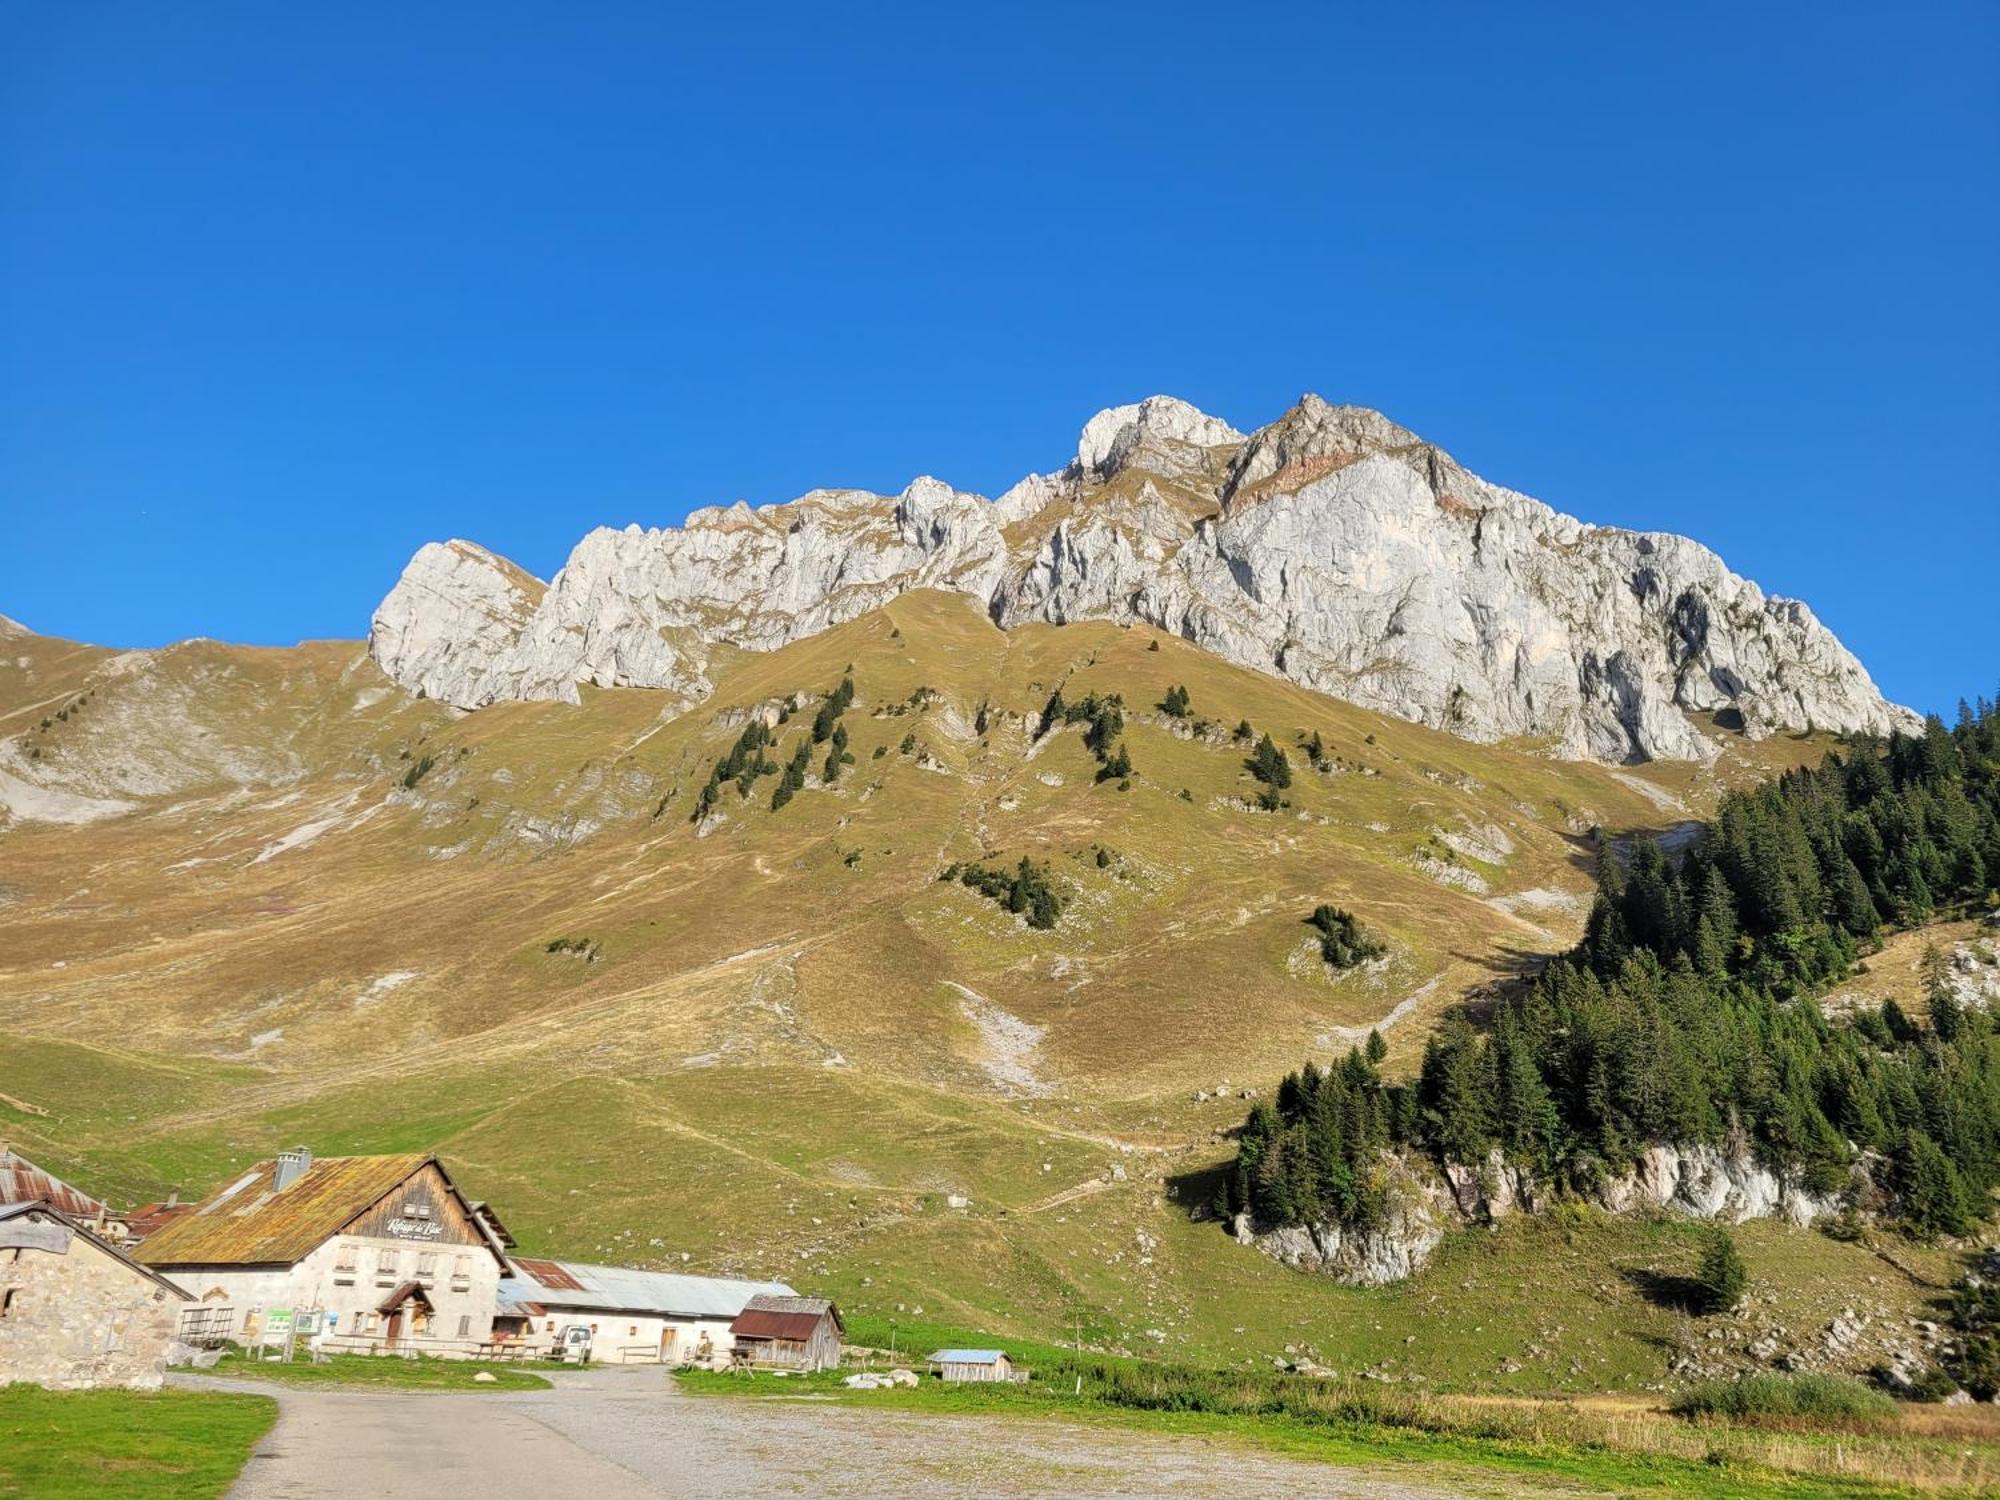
(249, 1223)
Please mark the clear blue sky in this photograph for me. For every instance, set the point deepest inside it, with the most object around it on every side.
(287, 290)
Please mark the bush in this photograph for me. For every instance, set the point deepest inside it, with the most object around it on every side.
(1343, 941)
(1799, 1398)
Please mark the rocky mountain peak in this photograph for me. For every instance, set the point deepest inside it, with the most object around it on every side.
(1332, 547)
(1313, 438)
(1156, 427)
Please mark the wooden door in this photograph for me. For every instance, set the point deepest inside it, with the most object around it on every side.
(394, 1331)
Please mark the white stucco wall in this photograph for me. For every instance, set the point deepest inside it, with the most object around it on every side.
(352, 1297)
(635, 1338)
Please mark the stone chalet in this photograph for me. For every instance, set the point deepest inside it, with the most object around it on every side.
(382, 1254)
(75, 1310)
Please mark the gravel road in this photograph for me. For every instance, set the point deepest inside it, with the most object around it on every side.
(631, 1435)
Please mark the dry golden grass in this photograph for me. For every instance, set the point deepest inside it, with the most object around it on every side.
(792, 1040)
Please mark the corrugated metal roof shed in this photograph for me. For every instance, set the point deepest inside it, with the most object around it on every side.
(790, 1317)
(249, 1223)
(968, 1356)
(21, 1181)
(568, 1283)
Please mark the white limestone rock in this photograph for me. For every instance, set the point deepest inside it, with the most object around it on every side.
(1331, 547)
(450, 627)
(1161, 429)
(1700, 1181)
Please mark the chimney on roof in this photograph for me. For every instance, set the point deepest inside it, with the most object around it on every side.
(292, 1165)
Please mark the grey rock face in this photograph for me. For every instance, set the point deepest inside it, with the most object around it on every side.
(1698, 1181)
(1332, 547)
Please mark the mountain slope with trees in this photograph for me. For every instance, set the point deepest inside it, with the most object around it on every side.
(1686, 1013)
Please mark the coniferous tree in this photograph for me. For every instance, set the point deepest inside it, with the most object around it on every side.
(1722, 1276)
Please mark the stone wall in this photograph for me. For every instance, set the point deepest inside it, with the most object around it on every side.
(80, 1316)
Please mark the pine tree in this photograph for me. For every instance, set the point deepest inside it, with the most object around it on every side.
(1269, 765)
(1933, 1198)
(1722, 1276)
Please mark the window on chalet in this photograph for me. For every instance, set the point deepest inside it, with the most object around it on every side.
(387, 1263)
(427, 1265)
(465, 1325)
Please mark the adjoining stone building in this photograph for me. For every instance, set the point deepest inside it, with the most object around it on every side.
(632, 1316)
(375, 1254)
(21, 1181)
(75, 1311)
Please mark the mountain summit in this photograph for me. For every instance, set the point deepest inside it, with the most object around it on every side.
(1331, 547)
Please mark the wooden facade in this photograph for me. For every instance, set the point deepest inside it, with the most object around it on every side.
(973, 1365)
(787, 1333)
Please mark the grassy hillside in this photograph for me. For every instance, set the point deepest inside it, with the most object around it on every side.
(775, 1040)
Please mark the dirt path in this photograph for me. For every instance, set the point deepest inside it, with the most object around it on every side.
(631, 1435)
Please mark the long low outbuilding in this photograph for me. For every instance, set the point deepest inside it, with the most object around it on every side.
(628, 1316)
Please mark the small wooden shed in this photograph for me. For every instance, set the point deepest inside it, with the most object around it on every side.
(787, 1333)
(973, 1364)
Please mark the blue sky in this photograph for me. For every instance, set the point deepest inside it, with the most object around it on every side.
(286, 291)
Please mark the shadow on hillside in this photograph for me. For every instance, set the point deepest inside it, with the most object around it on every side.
(1681, 1294)
(1198, 1193)
(1511, 966)
(1583, 852)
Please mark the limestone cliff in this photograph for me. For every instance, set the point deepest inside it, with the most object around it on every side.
(1721, 1184)
(1331, 547)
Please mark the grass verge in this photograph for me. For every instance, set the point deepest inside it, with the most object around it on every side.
(110, 1445)
(379, 1372)
(1625, 1448)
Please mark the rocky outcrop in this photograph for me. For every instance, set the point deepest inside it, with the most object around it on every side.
(1332, 547)
(1721, 1184)
(1710, 1182)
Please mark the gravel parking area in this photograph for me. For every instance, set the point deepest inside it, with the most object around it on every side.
(631, 1435)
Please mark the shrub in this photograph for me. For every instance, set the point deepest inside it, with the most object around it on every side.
(1804, 1397)
(1343, 941)
(419, 769)
(1026, 890)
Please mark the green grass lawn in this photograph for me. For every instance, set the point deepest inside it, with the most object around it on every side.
(378, 1372)
(107, 1445)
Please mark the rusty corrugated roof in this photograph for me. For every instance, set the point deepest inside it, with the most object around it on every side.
(784, 1317)
(21, 1181)
(148, 1217)
(248, 1224)
(549, 1273)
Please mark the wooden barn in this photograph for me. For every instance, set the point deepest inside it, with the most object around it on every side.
(973, 1364)
(787, 1333)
